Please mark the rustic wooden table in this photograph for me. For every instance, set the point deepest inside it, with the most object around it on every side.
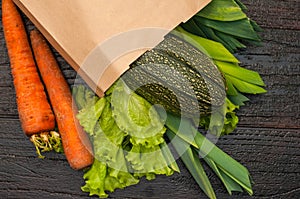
(267, 140)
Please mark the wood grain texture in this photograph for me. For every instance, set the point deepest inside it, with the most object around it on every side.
(267, 140)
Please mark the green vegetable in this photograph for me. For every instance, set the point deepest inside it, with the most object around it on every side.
(221, 123)
(177, 76)
(237, 78)
(245, 30)
(127, 136)
(129, 144)
(224, 21)
(222, 10)
(192, 163)
(233, 175)
(238, 99)
(130, 129)
(101, 178)
(83, 96)
(89, 116)
(135, 116)
(127, 132)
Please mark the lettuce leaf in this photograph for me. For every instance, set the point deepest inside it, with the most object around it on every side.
(218, 124)
(127, 136)
(148, 162)
(83, 96)
(100, 178)
(140, 120)
(136, 116)
(109, 170)
(89, 115)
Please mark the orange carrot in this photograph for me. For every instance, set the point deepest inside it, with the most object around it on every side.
(34, 109)
(76, 144)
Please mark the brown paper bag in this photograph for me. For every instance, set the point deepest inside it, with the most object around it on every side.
(101, 38)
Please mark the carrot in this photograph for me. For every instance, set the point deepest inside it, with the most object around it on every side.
(34, 109)
(76, 144)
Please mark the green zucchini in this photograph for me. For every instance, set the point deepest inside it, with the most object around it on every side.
(177, 76)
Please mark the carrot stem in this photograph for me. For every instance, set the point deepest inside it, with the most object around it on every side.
(46, 141)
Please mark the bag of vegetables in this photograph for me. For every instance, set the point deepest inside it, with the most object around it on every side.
(180, 95)
(194, 83)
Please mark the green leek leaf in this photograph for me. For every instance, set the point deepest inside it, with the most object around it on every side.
(238, 99)
(192, 27)
(240, 73)
(229, 183)
(233, 169)
(224, 162)
(240, 28)
(230, 88)
(192, 163)
(245, 87)
(182, 127)
(233, 42)
(242, 6)
(222, 10)
(171, 162)
(255, 26)
(213, 49)
(210, 33)
(227, 164)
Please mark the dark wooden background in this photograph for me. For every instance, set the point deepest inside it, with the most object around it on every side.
(267, 140)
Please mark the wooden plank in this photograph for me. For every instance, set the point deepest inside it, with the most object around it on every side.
(274, 13)
(278, 63)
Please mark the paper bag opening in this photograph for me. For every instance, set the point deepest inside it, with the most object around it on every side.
(99, 38)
